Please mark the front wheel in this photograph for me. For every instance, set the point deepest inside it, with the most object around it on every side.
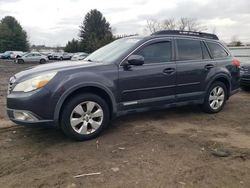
(215, 98)
(20, 61)
(84, 117)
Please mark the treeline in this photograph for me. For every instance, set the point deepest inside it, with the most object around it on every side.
(12, 35)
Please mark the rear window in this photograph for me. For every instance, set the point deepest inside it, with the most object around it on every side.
(217, 50)
(189, 49)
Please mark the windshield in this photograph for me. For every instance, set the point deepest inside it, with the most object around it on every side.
(113, 50)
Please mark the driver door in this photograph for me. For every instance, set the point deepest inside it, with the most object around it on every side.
(152, 83)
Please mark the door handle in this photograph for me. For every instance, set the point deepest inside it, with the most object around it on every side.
(169, 71)
(208, 66)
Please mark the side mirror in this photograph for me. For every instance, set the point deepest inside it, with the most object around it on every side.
(136, 60)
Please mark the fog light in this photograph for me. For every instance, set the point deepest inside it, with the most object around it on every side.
(24, 116)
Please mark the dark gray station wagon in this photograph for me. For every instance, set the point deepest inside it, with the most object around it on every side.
(166, 69)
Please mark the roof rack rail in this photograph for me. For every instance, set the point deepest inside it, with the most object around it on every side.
(189, 33)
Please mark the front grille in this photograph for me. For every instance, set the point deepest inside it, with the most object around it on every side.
(10, 85)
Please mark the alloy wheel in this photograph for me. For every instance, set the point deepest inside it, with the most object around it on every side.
(86, 117)
(216, 97)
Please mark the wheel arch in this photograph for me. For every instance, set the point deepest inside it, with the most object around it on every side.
(225, 79)
(101, 91)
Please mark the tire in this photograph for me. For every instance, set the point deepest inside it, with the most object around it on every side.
(213, 107)
(20, 61)
(79, 124)
(61, 58)
(42, 61)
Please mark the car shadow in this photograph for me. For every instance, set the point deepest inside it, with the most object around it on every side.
(53, 135)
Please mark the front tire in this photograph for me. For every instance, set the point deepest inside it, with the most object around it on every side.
(84, 117)
(20, 61)
(215, 98)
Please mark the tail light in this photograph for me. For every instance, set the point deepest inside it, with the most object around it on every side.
(236, 63)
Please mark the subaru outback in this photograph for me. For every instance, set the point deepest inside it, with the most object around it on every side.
(134, 74)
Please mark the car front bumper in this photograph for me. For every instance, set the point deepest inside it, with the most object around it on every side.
(32, 108)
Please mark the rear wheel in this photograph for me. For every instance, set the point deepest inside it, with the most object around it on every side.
(84, 117)
(42, 61)
(215, 98)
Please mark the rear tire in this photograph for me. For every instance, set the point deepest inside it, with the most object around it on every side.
(84, 116)
(215, 98)
(42, 61)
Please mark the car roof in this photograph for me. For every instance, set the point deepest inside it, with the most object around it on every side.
(178, 34)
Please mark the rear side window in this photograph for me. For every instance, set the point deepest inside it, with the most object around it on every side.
(217, 50)
(156, 53)
(189, 49)
(205, 51)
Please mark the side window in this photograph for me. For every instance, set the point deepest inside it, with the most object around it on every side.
(216, 50)
(205, 51)
(189, 49)
(156, 52)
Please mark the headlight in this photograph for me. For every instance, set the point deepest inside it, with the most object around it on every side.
(34, 83)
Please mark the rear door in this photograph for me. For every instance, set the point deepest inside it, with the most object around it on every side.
(193, 65)
(152, 83)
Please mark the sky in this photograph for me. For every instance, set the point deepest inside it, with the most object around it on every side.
(54, 22)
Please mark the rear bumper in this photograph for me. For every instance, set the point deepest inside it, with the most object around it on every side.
(245, 81)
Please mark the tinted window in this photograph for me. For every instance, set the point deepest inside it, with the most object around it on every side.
(189, 49)
(156, 52)
(216, 50)
(205, 51)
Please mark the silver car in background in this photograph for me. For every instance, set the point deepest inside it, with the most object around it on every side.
(33, 57)
(62, 56)
(79, 56)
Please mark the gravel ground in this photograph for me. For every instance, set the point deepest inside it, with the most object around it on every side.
(176, 147)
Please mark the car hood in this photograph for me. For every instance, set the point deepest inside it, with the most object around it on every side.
(57, 66)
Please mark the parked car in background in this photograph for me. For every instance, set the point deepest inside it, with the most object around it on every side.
(79, 56)
(11, 54)
(62, 56)
(134, 74)
(16, 54)
(33, 57)
(245, 76)
(6, 55)
(50, 56)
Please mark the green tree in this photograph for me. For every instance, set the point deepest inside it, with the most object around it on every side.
(12, 35)
(72, 46)
(95, 31)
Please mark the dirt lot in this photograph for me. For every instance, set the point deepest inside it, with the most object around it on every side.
(169, 148)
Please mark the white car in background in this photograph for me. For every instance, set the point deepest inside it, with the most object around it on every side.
(33, 57)
(16, 54)
(79, 56)
(61, 56)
